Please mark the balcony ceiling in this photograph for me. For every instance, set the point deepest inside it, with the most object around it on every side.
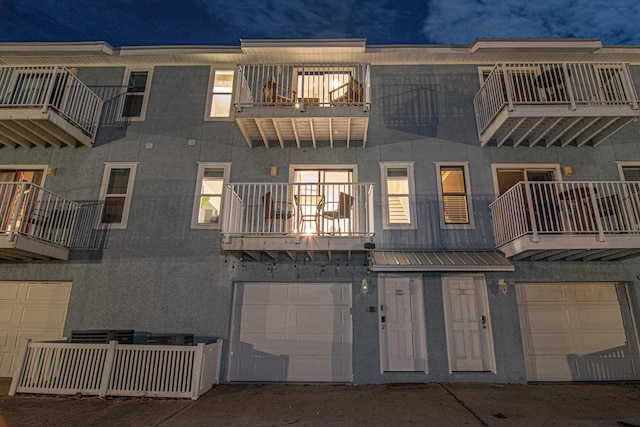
(304, 131)
(22, 248)
(549, 126)
(28, 127)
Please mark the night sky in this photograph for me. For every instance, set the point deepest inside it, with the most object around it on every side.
(217, 22)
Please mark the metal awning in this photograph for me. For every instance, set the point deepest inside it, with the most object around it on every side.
(386, 261)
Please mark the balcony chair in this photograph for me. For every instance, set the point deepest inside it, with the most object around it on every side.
(276, 210)
(274, 93)
(336, 211)
(349, 93)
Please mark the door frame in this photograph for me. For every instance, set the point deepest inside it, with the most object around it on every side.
(482, 302)
(419, 325)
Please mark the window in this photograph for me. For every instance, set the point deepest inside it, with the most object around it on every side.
(629, 171)
(398, 206)
(220, 94)
(454, 192)
(135, 98)
(116, 191)
(209, 192)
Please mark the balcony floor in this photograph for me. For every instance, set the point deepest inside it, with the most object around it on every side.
(272, 246)
(25, 249)
(552, 125)
(28, 127)
(573, 247)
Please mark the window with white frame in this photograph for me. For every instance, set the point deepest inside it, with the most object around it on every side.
(116, 191)
(455, 195)
(220, 94)
(134, 105)
(209, 194)
(398, 200)
(629, 171)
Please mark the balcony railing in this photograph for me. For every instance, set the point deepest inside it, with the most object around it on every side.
(28, 210)
(600, 209)
(302, 85)
(51, 88)
(574, 85)
(297, 209)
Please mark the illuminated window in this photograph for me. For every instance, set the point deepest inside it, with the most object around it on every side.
(454, 194)
(398, 195)
(220, 93)
(209, 195)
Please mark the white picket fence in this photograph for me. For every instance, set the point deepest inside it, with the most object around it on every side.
(117, 369)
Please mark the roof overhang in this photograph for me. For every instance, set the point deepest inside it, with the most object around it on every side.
(438, 261)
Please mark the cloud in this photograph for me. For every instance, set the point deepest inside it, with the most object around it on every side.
(462, 21)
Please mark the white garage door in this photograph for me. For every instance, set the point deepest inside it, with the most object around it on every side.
(577, 332)
(291, 332)
(35, 310)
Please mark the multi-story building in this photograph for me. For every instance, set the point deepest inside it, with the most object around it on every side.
(333, 211)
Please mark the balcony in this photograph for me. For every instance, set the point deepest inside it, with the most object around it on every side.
(569, 221)
(554, 104)
(46, 107)
(303, 105)
(297, 217)
(36, 224)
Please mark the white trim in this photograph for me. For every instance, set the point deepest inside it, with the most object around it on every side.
(321, 166)
(145, 99)
(21, 168)
(482, 298)
(212, 76)
(554, 167)
(226, 167)
(108, 166)
(384, 197)
(467, 183)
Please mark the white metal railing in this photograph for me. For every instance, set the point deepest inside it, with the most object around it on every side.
(579, 207)
(338, 209)
(572, 84)
(302, 85)
(27, 209)
(52, 87)
(117, 369)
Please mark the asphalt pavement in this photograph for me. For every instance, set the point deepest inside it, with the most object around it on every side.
(437, 404)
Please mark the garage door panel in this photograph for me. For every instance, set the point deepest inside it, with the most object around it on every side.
(9, 292)
(551, 343)
(543, 318)
(36, 316)
(586, 338)
(551, 293)
(303, 337)
(6, 315)
(609, 318)
(49, 292)
(596, 293)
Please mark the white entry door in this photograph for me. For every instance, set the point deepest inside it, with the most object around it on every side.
(402, 327)
(291, 332)
(577, 332)
(469, 339)
(35, 310)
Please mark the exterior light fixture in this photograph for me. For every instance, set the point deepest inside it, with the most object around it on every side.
(364, 286)
(503, 286)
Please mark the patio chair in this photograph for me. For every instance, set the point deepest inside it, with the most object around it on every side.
(349, 93)
(274, 93)
(276, 210)
(336, 211)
